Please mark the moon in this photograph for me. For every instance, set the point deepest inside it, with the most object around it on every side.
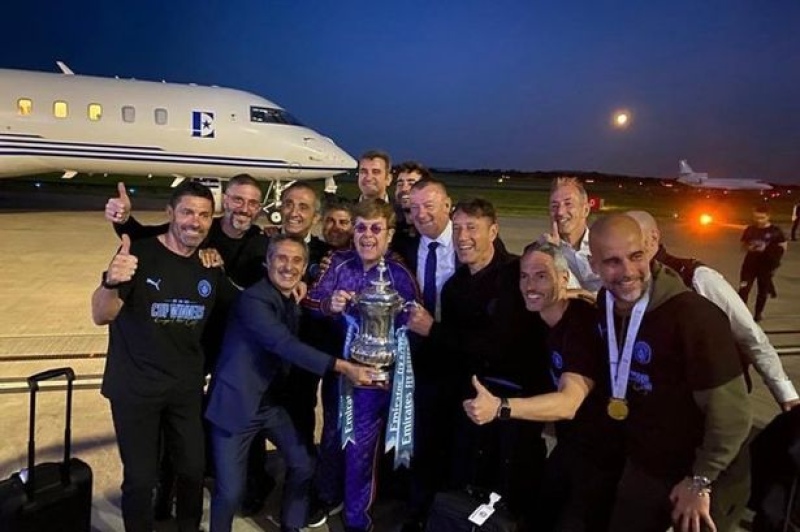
(621, 119)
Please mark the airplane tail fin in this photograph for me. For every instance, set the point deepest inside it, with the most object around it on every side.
(64, 68)
(689, 176)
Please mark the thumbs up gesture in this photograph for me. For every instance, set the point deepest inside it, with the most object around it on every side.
(123, 265)
(119, 209)
(484, 406)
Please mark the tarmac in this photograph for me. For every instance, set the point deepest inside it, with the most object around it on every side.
(51, 257)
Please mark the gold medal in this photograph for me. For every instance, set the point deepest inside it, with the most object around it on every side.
(617, 409)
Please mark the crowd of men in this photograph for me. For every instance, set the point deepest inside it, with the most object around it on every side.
(638, 357)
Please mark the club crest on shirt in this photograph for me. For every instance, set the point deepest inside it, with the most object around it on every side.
(642, 352)
(558, 361)
(204, 288)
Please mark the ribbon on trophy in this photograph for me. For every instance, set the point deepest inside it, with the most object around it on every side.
(400, 429)
(345, 417)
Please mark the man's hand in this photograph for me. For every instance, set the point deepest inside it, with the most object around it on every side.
(420, 320)
(300, 291)
(552, 237)
(788, 405)
(123, 265)
(211, 258)
(118, 209)
(690, 508)
(270, 230)
(355, 373)
(339, 301)
(484, 406)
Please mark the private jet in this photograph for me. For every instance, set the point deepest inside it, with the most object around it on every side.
(689, 177)
(68, 123)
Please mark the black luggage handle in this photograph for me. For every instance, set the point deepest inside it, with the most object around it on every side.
(33, 384)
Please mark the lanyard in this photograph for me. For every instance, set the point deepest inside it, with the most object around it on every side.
(621, 367)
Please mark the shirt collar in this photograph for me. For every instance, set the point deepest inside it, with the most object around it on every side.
(445, 238)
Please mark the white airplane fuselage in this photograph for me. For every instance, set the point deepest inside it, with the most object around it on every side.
(109, 125)
(689, 177)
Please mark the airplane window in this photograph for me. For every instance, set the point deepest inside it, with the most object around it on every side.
(271, 115)
(161, 116)
(128, 113)
(95, 112)
(60, 109)
(24, 106)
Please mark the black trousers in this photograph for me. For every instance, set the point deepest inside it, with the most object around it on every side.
(759, 271)
(138, 424)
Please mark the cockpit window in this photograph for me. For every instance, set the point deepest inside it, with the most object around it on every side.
(270, 115)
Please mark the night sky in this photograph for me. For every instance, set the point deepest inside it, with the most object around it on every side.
(528, 85)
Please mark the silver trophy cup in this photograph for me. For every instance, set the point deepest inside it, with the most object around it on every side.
(374, 344)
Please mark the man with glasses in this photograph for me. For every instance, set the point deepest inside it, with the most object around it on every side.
(351, 272)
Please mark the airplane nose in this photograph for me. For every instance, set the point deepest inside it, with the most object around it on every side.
(338, 156)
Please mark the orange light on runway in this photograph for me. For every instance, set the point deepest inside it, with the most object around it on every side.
(706, 219)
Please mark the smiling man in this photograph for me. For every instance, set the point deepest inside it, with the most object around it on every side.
(569, 212)
(676, 382)
(351, 272)
(374, 175)
(580, 473)
(157, 297)
(466, 341)
(246, 394)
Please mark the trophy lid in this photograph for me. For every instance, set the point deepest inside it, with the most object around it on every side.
(381, 290)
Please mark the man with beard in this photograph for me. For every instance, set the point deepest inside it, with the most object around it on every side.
(157, 296)
(246, 394)
(676, 382)
(337, 225)
(408, 173)
(233, 235)
(577, 491)
(569, 212)
(241, 246)
(350, 273)
(474, 336)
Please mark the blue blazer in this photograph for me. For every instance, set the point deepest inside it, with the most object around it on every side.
(260, 340)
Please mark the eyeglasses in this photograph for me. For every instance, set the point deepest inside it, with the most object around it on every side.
(375, 229)
(238, 201)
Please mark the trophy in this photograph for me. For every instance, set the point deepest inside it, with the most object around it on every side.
(375, 344)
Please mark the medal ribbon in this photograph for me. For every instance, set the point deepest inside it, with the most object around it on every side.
(621, 368)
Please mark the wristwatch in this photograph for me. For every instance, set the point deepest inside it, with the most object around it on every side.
(700, 484)
(106, 284)
(504, 412)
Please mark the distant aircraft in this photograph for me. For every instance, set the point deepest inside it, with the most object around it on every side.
(689, 177)
(62, 122)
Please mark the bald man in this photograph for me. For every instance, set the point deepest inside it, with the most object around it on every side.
(676, 382)
(747, 334)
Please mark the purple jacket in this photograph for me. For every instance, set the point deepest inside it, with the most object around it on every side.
(346, 272)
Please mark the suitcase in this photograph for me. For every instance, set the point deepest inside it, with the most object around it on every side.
(451, 510)
(52, 496)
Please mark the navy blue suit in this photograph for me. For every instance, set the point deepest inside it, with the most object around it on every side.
(260, 346)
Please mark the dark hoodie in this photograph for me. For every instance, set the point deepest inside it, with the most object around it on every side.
(689, 410)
